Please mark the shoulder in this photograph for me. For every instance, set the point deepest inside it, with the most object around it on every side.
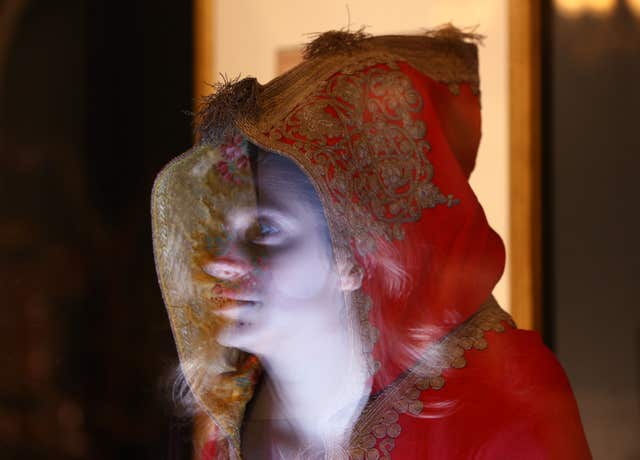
(540, 412)
(508, 399)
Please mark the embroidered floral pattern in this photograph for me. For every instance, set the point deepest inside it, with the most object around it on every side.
(361, 306)
(234, 159)
(359, 133)
(378, 426)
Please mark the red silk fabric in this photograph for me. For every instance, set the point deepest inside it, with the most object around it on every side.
(451, 254)
(511, 401)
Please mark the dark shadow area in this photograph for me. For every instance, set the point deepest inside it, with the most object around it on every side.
(593, 158)
(91, 107)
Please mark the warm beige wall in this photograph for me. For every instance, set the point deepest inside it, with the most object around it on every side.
(248, 33)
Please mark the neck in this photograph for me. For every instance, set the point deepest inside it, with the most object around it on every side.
(317, 387)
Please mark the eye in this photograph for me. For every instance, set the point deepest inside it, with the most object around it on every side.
(265, 232)
(267, 229)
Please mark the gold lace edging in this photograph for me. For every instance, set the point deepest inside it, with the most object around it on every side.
(378, 427)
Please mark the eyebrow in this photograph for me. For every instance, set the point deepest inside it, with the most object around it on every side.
(275, 213)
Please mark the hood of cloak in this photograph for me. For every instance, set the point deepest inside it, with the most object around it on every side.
(387, 130)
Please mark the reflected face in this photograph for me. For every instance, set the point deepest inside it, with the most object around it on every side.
(279, 273)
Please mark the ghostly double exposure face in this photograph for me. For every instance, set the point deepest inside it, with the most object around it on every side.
(278, 271)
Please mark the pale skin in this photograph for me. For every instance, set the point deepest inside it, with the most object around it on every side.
(290, 312)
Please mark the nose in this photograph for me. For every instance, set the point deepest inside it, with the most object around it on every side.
(227, 268)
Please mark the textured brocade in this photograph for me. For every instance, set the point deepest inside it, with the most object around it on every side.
(359, 138)
(189, 201)
(378, 426)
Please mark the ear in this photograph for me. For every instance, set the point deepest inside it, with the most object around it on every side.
(351, 275)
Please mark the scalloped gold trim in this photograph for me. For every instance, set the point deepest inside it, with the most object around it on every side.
(374, 435)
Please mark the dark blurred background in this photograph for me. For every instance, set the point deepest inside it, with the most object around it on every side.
(92, 102)
(591, 151)
(93, 96)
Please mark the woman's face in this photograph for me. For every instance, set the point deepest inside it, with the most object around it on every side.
(278, 271)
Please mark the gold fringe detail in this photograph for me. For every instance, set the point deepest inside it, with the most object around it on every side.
(450, 33)
(217, 112)
(334, 41)
(345, 41)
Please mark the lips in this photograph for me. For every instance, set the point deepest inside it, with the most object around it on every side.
(238, 310)
(239, 304)
(237, 292)
(233, 294)
(235, 312)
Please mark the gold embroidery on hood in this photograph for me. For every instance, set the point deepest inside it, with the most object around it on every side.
(378, 423)
(360, 138)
